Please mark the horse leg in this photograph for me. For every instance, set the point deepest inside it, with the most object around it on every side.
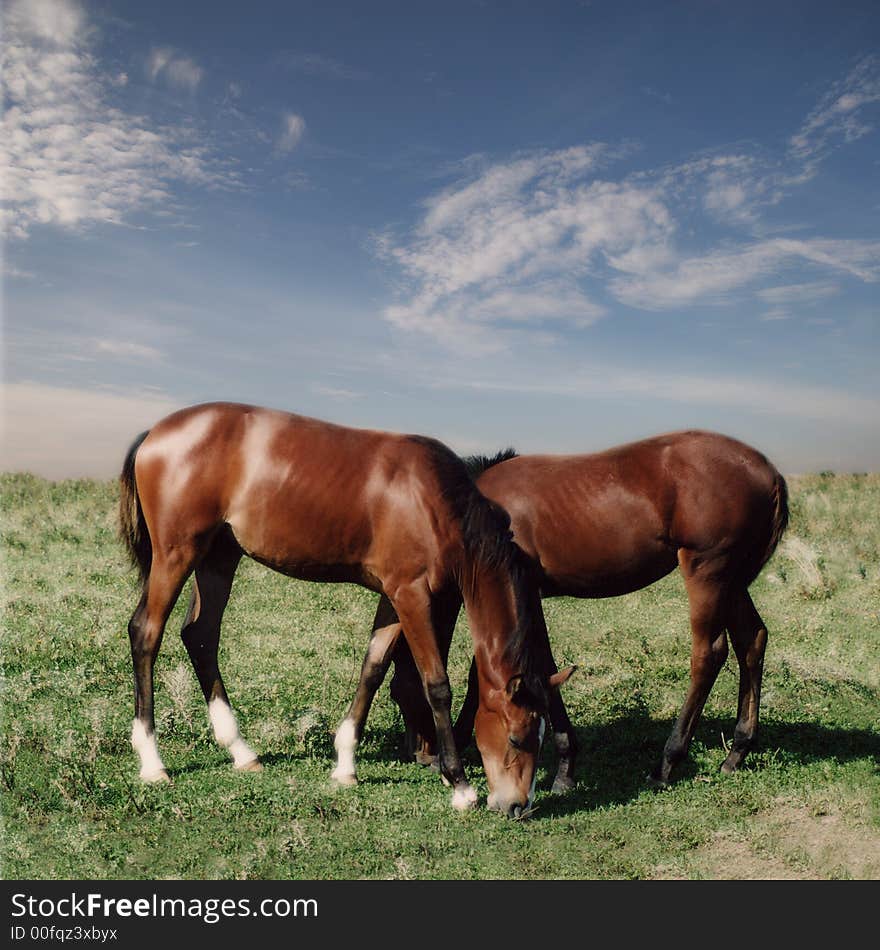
(407, 690)
(563, 731)
(422, 616)
(464, 724)
(565, 741)
(708, 653)
(386, 632)
(201, 637)
(420, 740)
(748, 633)
(167, 576)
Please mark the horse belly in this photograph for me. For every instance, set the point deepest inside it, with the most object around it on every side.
(309, 548)
(608, 577)
(605, 561)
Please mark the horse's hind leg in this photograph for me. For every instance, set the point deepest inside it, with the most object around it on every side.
(748, 634)
(420, 742)
(167, 576)
(201, 637)
(386, 631)
(708, 597)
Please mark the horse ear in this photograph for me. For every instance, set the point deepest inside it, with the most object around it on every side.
(557, 679)
(515, 686)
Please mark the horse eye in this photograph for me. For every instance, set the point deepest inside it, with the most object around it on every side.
(515, 742)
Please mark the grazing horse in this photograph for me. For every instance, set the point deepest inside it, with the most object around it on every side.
(614, 522)
(397, 514)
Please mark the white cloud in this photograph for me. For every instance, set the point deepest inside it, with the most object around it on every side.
(710, 278)
(70, 158)
(781, 298)
(810, 292)
(57, 22)
(293, 128)
(335, 392)
(64, 433)
(15, 273)
(127, 350)
(743, 392)
(509, 245)
(838, 117)
(174, 68)
(549, 238)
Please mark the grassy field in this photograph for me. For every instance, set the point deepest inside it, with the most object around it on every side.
(806, 806)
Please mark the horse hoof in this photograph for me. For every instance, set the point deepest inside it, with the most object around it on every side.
(343, 779)
(445, 780)
(658, 784)
(156, 778)
(561, 785)
(253, 766)
(464, 798)
(728, 767)
(432, 761)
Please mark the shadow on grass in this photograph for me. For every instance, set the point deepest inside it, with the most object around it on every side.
(615, 758)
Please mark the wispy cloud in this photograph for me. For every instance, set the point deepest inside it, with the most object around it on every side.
(776, 398)
(293, 128)
(838, 118)
(799, 293)
(509, 244)
(12, 272)
(174, 68)
(314, 64)
(710, 278)
(70, 157)
(551, 238)
(335, 392)
(658, 94)
(127, 350)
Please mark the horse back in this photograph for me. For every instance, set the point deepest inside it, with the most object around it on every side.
(611, 522)
(309, 498)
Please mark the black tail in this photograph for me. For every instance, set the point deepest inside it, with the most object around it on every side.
(778, 524)
(132, 527)
(477, 464)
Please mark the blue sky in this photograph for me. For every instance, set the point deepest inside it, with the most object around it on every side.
(560, 226)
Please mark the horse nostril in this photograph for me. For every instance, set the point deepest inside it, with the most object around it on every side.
(515, 811)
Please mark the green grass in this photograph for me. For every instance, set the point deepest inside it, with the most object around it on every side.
(807, 805)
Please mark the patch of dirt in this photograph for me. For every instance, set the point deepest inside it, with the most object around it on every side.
(785, 844)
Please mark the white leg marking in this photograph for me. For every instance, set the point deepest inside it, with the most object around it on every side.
(463, 798)
(345, 744)
(144, 743)
(227, 735)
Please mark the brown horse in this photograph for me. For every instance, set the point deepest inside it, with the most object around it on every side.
(611, 523)
(397, 514)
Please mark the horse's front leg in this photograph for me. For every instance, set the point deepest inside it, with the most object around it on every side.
(386, 631)
(408, 692)
(565, 742)
(422, 616)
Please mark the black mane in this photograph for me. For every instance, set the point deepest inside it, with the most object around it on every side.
(489, 541)
(477, 464)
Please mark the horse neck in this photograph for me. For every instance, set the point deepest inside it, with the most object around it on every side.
(490, 599)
